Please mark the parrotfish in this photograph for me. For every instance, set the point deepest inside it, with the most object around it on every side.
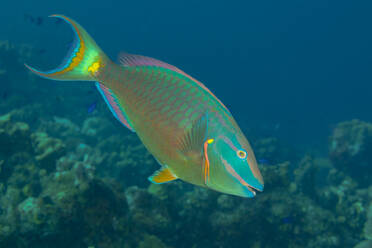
(188, 130)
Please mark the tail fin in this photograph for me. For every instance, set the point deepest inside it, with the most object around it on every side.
(82, 63)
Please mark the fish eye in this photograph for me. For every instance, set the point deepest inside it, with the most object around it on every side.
(241, 154)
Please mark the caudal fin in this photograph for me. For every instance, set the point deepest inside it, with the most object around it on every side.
(82, 63)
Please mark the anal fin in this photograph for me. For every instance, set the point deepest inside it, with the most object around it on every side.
(163, 175)
(115, 107)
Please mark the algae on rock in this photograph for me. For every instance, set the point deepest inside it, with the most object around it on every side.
(350, 149)
(368, 224)
(47, 150)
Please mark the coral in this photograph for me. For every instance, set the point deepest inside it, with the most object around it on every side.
(95, 126)
(69, 178)
(151, 241)
(226, 202)
(94, 192)
(125, 157)
(270, 150)
(147, 212)
(364, 244)
(158, 191)
(29, 213)
(368, 224)
(311, 175)
(60, 128)
(349, 149)
(13, 136)
(276, 175)
(77, 193)
(47, 149)
(9, 216)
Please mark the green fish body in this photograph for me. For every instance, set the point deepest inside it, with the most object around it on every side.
(184, 126)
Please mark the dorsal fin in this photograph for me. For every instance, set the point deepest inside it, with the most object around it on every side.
(127, 59)
(114, 105)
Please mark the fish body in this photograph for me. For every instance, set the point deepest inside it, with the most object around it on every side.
(184, 126)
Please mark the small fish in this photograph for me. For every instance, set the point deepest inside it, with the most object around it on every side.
(38, 21)
(92, 107)
(183, 124)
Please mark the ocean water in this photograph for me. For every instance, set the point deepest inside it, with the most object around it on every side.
(296, 75)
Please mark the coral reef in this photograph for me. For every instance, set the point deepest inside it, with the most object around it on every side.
(93, 192)
(368, 224)
(364, 244)
(75, 179)
(13, 136)
(270, 151)
(350, 149)
(47, 150)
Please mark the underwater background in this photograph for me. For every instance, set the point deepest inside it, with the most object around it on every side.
(296, 75)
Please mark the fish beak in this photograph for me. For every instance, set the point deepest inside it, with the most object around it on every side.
(252, 189)
(257, 183)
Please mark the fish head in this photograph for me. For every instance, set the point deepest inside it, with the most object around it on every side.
(233, 167)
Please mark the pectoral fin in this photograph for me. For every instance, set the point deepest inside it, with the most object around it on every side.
(191, 144)
(163, 175)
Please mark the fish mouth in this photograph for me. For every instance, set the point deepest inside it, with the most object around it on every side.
(252, 189)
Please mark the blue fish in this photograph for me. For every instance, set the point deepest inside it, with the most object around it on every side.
(38, 21)
(92, 107)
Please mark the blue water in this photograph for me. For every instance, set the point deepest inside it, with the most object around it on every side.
(301, 66)
(289, 71)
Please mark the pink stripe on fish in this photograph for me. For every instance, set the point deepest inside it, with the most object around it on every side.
(228, 142)
(232, 172)
(114, 106)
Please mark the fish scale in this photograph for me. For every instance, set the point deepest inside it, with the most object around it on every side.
(185, 102)
(154, 104)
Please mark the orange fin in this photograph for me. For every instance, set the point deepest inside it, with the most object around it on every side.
(163, 175)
